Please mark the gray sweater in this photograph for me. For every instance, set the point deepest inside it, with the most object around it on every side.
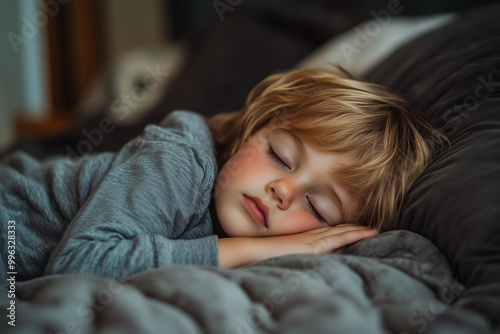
(113, 214)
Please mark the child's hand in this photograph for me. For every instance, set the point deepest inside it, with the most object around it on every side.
(235, 252)
(323, 240)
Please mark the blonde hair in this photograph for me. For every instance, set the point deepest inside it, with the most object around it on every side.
(333, 112)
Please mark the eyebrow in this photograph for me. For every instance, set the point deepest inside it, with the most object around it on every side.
(331, 189)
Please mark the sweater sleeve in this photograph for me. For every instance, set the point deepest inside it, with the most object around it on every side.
(149, 211)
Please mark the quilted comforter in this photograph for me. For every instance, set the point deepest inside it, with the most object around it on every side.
(397, 282)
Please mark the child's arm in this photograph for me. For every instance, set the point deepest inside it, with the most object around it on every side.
(148, 211)
(236, 252)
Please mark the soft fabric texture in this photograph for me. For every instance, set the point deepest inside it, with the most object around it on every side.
(397, 282)
(347, 51)
(453, 75)
(114, 214)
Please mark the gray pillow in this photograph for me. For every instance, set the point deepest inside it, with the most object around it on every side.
(453, 75)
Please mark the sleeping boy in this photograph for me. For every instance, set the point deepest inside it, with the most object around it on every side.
(315, 161)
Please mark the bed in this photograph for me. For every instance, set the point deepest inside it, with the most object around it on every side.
(439, 272)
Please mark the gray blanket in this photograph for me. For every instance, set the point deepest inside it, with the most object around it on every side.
(397, 282)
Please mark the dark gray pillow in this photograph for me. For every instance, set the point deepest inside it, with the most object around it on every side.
(453, 75)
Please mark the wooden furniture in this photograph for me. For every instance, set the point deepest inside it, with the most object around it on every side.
(74, 54)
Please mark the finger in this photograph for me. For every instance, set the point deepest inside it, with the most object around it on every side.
(339, 240)
(348, 226)
(335, 241)
(346, 238)
(343, 228)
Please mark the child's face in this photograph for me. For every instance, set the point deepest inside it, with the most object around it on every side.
(276, 184)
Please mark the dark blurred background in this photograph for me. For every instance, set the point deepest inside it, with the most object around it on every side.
(65, 65)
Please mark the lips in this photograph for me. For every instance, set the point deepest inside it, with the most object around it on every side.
(257, 209)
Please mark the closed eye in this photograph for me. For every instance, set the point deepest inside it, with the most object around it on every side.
(315, 212)
(276, 158)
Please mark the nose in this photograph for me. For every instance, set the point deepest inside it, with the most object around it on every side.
(282, 191)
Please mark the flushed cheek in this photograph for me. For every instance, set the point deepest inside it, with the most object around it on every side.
(251, 172)
(236, 171)
(296, 222)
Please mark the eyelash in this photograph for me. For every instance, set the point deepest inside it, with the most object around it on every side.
(281, 163)
(276, 158)
(315, 212)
